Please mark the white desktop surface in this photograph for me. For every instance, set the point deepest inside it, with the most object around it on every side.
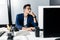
(26, 35)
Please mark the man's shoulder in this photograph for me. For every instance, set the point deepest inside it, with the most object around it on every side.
(20, 14)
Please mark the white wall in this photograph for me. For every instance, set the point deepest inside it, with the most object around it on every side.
(17, 6)
(3, 12)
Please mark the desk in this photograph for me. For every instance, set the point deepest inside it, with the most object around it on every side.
(29, 36)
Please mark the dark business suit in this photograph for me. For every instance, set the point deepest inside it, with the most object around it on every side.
(20, 21)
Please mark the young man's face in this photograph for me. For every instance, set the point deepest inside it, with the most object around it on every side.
(27, 9)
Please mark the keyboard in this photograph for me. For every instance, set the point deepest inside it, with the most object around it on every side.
(1, 33)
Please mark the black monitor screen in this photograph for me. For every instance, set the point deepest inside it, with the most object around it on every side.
(51, 22)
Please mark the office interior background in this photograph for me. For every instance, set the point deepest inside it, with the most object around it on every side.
(17, 7)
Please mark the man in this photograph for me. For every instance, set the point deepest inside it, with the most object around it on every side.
(27, 20)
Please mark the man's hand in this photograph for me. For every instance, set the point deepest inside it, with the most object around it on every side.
(31, 13)
(28, 29)
(32, 28)
(24, 28)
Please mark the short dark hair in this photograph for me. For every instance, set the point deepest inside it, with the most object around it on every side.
(26, 6)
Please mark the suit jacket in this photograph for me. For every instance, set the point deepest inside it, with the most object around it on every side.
(20, 21)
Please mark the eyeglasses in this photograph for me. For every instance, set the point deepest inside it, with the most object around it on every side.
(28, 8)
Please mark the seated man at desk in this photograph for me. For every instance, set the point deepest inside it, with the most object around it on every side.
(26, 20)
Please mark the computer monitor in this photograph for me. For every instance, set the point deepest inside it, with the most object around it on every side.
(51, 20)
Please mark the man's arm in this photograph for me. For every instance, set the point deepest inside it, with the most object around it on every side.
(18, 26)
(34, 20)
